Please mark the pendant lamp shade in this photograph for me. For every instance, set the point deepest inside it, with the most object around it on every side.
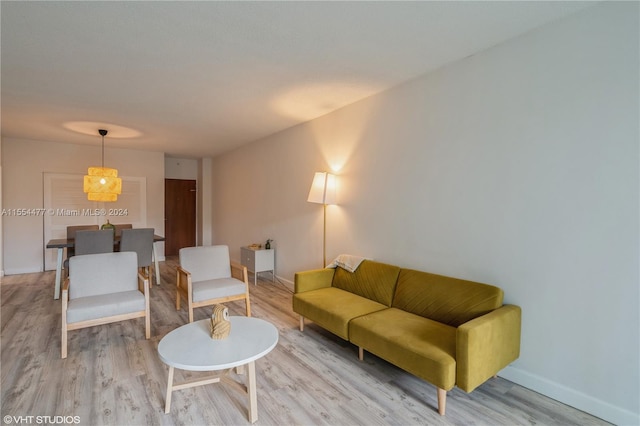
(102, 183)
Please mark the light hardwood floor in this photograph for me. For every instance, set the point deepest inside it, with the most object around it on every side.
(113, 376)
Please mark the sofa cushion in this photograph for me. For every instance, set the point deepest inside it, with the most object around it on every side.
(333, 308)
(447, 300)
(421, 346)
(373, 280)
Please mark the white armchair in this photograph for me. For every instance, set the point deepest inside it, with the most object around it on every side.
(101, 289)
(204, 278)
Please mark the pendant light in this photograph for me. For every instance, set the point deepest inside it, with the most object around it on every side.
(102, 183)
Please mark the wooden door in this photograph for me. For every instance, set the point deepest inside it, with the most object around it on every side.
(179, 215)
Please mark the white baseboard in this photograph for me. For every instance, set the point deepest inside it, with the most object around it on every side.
(286, 283)
(19, 271)
(572, 397)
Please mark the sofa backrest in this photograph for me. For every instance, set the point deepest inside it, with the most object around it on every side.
(447, 300)
(373, 280)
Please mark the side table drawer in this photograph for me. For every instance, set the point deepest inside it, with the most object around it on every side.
(248, 259)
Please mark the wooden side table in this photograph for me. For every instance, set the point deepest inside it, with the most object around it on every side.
(258, 260)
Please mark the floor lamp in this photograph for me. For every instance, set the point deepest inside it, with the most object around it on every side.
(323, 191)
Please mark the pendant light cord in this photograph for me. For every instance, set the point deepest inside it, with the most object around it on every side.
(103, 133)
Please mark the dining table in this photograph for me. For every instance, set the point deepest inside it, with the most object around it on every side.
(61, 243)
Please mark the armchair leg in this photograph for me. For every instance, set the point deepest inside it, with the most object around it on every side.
(147, 326)
(301, 323)
(63, 342)
(63, 327)
(147, 273)
(442, 401)
(246, 301)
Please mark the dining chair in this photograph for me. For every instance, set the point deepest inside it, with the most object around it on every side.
(71, 235)
(204, 277)
(103, 288)
(93, 242)
(140, 241)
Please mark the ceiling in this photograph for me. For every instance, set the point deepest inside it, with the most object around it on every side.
(200, 78)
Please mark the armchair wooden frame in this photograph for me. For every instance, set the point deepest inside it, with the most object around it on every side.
(143, 285)
(184, 288)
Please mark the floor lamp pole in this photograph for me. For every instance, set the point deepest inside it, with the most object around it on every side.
(324, 236)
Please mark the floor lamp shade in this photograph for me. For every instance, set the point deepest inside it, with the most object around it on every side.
(323, 189)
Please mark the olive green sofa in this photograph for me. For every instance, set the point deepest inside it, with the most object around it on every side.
(447, 331)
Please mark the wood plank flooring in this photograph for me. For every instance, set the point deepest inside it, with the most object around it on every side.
(113, 376)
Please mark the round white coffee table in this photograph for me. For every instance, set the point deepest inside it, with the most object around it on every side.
(191, 347)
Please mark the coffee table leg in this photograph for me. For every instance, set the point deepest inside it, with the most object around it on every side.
(252, 391)
(167, 404)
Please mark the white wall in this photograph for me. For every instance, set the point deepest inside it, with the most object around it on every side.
(517, 166)
(205, 225)
(180, 168)
(2, 217)
(25, 161)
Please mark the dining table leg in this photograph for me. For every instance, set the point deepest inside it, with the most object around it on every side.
(56, 291)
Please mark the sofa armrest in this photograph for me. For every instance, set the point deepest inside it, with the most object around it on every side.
(313, 279)
(487, 344)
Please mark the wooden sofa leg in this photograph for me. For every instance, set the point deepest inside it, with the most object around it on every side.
(301, 323)
(360, 353)
(442, 401)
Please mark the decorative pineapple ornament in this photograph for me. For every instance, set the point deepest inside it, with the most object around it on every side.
(220, 324)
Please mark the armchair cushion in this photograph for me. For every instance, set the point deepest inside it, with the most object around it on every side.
(105, 305)
(217, 288)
